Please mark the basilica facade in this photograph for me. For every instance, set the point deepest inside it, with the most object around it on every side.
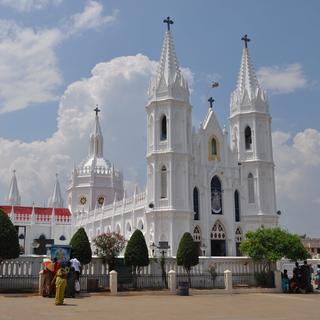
(215, 183)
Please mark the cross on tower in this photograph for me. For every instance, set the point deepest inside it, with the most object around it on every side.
(211, 101)
(97, 110)
(246, 40)
(168, 21)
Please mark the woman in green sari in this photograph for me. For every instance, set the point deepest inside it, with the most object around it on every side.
(61, 282)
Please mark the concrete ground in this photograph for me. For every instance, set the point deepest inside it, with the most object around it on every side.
(251, 306)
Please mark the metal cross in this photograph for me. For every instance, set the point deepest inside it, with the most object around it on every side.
(168, 21)
(246, 40)
(211, 101)
(97, 110)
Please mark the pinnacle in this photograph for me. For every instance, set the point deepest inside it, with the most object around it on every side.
(247, 78)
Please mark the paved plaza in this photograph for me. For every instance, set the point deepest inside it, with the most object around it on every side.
(154, 307)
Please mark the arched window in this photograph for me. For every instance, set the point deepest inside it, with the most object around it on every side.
(213, 148)
(248, 138)
(237, 206)
(216, 196)
(217, 232)
(163, 182)
(250, 188)
(140, 224)
(196, 234)
(238, 238)
(196, 203)
(197, 239)
(163, 132)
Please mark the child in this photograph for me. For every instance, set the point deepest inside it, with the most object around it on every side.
(285, 281)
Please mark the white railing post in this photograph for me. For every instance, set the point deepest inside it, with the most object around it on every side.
(228, 280)
(172, 281)
(278, 280)
(113, 282)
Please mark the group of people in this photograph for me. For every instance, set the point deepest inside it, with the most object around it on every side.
(301, 281)
(61, 279)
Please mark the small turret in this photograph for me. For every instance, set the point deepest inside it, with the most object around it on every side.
(14, 196)
(56, 201)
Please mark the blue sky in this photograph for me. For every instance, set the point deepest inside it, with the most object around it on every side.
(69, 38)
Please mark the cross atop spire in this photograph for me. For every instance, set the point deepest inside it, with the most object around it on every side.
(246, 40)
(96, 110)
(211, 101)
(168, 21)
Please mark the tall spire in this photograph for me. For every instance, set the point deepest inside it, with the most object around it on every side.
(248, 95)
(168, 82)
(247, 78)
(96, 138)
(14, 195)
(56, 201)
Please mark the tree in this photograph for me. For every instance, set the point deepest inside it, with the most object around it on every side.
(108, 246)
(9, 241)
(136, 254)
(80, 246)
(187, 255)
(271, 245)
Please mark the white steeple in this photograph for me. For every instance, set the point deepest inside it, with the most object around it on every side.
(247, 78)
(248, 96)
(14, 195)
(168, 82)
(56, 201)
(96, 138)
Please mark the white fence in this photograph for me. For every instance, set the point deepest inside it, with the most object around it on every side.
(31, 266)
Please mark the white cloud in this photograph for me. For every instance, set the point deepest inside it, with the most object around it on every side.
(119, 87)
(29, 71)
(282, 79)
(91, 18)
(28, 66)
(297, 178)
(29, 5)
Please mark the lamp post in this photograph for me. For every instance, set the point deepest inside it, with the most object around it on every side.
(162, 247)
(203, 248)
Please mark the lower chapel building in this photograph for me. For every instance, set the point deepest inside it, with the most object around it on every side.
(214, 183)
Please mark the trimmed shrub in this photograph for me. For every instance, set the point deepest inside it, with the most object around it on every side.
(80, 246)
(9, 241)
(187, 255)
(136, 254)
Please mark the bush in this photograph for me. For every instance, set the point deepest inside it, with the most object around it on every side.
(108, 246)
(187, 255)
(9, 241)
(136, 254)
(270, 245)
(80, 247)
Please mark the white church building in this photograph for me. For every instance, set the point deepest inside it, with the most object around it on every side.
(215, 183)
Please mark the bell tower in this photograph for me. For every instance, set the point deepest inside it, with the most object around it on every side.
(169, 148)
(251, 143)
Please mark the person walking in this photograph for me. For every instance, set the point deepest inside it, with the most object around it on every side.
(76, 265)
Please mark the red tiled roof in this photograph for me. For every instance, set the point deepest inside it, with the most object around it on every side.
(38, 211)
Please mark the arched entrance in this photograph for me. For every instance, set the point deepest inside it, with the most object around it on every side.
(218, 240)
